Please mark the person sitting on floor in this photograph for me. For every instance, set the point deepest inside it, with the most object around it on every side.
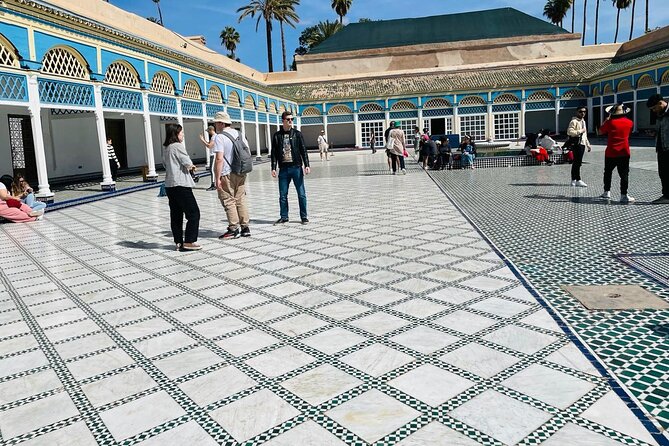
(467, 157)
(22, 190)
(12, 209)
(537, 150)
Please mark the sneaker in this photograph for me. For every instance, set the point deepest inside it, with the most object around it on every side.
(627, 199)
(246, 232)
(281, 221)
(581, 183)
(661, 200)
(606, 195)
(305, 221)
(573, 183)
(37, 213)
(212, 187)
(230, 233)
(404, 171)
(191, 247)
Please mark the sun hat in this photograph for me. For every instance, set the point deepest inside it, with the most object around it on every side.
(322, 131)
(617, 110)
(222, 117)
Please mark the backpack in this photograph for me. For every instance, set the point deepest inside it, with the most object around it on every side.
(242, 161)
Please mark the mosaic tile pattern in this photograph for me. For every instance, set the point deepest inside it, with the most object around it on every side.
(388, 320)
(559, 235)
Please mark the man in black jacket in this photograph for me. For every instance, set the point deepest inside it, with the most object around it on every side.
(289, 152)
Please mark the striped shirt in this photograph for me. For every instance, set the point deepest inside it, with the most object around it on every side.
(110, 153)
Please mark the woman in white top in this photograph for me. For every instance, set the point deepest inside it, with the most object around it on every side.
(179, 188)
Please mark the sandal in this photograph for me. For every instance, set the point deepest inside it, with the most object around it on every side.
(191, 247)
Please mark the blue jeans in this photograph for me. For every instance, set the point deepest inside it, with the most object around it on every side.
(286, 174)
(34, 204)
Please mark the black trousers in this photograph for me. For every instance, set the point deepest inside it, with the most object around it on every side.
(663, 170)
(182, 201)
(397, 159)
(114, 169)
(579, 151)
(623, 166)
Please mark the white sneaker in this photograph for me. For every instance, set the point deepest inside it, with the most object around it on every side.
(627, 199)
(573, 183)
(606, 195)
(404, 171)
(581, 183)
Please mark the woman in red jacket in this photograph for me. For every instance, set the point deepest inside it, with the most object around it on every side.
(617, 128)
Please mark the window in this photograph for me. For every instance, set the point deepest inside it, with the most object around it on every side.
(441, 126)
(507, 126)
(162, 83)
(473, 125)
(408, 127)
(119, 73)
(192, 90)
(369, 127)
(63, 62)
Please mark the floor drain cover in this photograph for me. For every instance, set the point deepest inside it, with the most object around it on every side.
(616, 297)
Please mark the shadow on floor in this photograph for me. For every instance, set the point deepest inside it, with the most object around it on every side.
(145, 245)
(585, 200)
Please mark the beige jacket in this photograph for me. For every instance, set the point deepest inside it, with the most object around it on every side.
(399, 143)
(578, 127)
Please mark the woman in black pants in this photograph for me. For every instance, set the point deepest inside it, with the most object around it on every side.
(179, 187)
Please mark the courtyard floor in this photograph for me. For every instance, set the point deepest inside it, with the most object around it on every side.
(424, 309)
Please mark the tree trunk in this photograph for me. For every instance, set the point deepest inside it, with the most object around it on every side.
(596, 20)
(573, 12)
(283, 46)
(341, 20)
(585, 15)
(647, 16)
(268, 29)
(615, 38)
(632, 20)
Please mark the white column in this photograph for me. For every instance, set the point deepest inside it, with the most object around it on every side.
(44, 191)
(635, 110)
(257, 138)
(456, 120)
(356, 130)
(268, 135)
(180, 116)
(325, 127)
(557, 114)
(591, 118)
(521, 127)
(490, 122)
(241, 118)
(205, 126)
(387, 119)
(420, 119)
(148, 139)
(107, 182)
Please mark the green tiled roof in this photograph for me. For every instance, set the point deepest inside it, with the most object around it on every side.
(634, 62)
(490, 24)
(522, 76)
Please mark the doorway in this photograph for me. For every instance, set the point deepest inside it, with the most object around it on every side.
(22, 147)
(115, 129)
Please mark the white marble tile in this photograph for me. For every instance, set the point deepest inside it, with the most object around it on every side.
(570, 356)
(247, 342)
(284, 289)
(96, 364)
(307, 433)
(419, 308)
(24, 361)
(298, 325)
(465, 322)
(500, 416)
(187, 362)
(216, 385)
(542, 319)
(550, 386)
(499, 307)
(612, 412)
(333, 340)
(189, 433)
(139, 415)
(454, 295)
(76, 434)
(220, 326)
(376, 359)
(520, 339)
(118, 386)
(311, 298)
(372, 415)
(164, 343)
(382, 276)
(321, 279)
(465, 252)
(243, 300)
(423, 339)
(28, 417)
(436, 434)
(381, 296)
(520, 293)
(279, 361)
(416, 285)
(446, 275)
(342, 310)
(379, 323)
(571, 434)
(269, 311)
(348, 287)
(486, 283)
(480, 360)
(144, 328)
(431, 385)
(28, 385)
(253, 415)
(321, 384)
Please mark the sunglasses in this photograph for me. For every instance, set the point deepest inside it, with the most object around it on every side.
(288, 119)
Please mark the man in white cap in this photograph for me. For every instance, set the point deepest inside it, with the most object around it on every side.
(230, 185)
(578, 139)
(617, 128)
(323, 145)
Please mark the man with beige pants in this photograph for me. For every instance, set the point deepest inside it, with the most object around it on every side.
(230, 186)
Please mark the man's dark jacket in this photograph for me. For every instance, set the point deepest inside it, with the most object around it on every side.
(297, 147)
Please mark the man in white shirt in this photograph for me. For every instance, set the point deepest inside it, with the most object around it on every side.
(230, 185)
(578, 132)
(323, 145)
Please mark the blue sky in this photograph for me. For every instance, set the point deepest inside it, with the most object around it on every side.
(208, 18)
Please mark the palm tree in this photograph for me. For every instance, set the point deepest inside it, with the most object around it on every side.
(632, 19)
(596, 20)
(585, 14)
(620, 4)
(265, 10)
(160, 14)
(322, 31)
(556, 10)
(573, 13)
(230, 40)
(285, 13)
(341, 7)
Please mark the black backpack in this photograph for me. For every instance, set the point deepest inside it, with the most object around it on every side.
(242, 161)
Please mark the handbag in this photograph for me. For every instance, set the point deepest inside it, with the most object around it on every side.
(405, 153)
(390, 144)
